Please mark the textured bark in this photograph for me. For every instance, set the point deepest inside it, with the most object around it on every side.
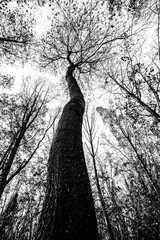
(68, 210)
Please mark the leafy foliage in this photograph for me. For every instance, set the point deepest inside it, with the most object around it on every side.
(16, 32)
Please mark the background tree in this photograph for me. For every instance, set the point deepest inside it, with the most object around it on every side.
(90, 134)
(8, 218)
(132, 116)
(20, 137)
(27, 173)
(136, 150)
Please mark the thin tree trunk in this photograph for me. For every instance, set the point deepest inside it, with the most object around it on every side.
(68, 210)
(7, 218)
(5, 170)
(102, 201)
(90, 130)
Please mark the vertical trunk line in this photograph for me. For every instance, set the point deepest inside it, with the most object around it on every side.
(74, 89)
(68, 210)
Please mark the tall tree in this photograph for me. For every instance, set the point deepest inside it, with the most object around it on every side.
(68, 210)
(81, 38)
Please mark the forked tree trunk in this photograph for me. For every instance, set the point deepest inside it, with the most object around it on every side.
(68, 210)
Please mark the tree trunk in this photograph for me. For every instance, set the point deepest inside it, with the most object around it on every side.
(101, 198)
(68, 210)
